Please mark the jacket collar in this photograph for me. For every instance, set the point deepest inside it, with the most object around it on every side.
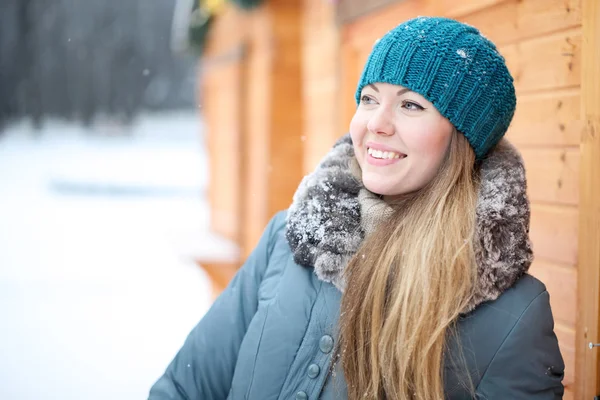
(332, 211)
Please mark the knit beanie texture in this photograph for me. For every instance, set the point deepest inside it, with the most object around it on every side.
(455, 68)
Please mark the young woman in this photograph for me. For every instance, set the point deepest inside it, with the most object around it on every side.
(399, 271)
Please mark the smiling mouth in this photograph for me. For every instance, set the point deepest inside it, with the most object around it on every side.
(384, 155)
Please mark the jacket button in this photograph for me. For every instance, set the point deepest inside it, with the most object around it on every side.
(301, 396)
(326, 344)
(313, 370)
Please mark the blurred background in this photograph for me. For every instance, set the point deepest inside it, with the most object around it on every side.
(103, 185)
(144, 145)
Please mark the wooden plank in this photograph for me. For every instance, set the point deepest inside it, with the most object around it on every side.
(515, 20)
(222, 37)
(554, 233)
(566, 342)
(547, 119)
(321, 121)
(257, 101)
(222, 89)
(569, 360)
(348, 10)
(320, 57)
(561, 283)
(221, 107)
(219, 273)
(363, 31)
(320, 76)
(565, 335)
(550, 62)
(275, 115)
(569, 394)
(503, 21)
(286, 117)
(552, 175)
(350, 73)
(457, 9)
(588, 324)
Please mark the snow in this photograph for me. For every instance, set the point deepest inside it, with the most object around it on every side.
(98, 232)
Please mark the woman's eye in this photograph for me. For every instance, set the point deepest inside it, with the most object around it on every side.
(410, 106)
(366, 99)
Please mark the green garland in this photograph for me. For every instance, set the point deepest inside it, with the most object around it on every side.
(247, 4)
(200, 23)
(202, 15)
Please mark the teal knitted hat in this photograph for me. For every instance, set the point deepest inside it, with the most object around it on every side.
(455, 68)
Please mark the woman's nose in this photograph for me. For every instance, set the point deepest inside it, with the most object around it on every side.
(381, 123)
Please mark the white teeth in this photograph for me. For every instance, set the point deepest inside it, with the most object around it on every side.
(382, 154)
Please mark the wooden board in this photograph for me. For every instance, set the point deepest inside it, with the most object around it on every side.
(549, 119)
(588, 323)
(274, 112)
(561, 283)
(321, 122)
(516, 20)
(566, 342)
(220, 274)
(457, 9)
(286, 118)
(552, 175)
(350, 73)
(257, 100)
(569, 360)
(363, 31)
(569, 394)
(321, 81)
(222, 89)
(554, 233)
(348, 10)
(549, 62)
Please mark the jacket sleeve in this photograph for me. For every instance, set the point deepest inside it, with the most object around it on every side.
(528, 365)
(203, 368)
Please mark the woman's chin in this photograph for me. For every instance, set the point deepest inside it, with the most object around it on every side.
(379, 189)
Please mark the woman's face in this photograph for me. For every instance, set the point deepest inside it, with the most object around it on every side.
(399, 138)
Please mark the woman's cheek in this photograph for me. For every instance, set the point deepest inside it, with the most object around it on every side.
(355, 126)
(357, 129)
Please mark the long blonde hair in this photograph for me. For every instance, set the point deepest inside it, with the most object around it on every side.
(407, 285)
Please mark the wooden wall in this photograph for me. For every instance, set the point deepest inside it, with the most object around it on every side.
(320, 81)
(253, 107)
(588, 288)
(222, 90)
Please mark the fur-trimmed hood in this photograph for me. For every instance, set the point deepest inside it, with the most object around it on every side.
(332, 211)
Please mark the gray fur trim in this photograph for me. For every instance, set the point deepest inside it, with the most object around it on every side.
(323, 226)
(329, 216)
(502, 246)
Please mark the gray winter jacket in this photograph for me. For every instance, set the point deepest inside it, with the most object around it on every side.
(272, 333)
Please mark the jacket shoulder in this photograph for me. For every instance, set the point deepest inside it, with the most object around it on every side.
(501, 334)
(279, 221)
(517, 298)
(509, 306)
(506, 310)
(527, 364)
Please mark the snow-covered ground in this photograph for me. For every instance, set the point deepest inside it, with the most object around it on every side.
(97, 235)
